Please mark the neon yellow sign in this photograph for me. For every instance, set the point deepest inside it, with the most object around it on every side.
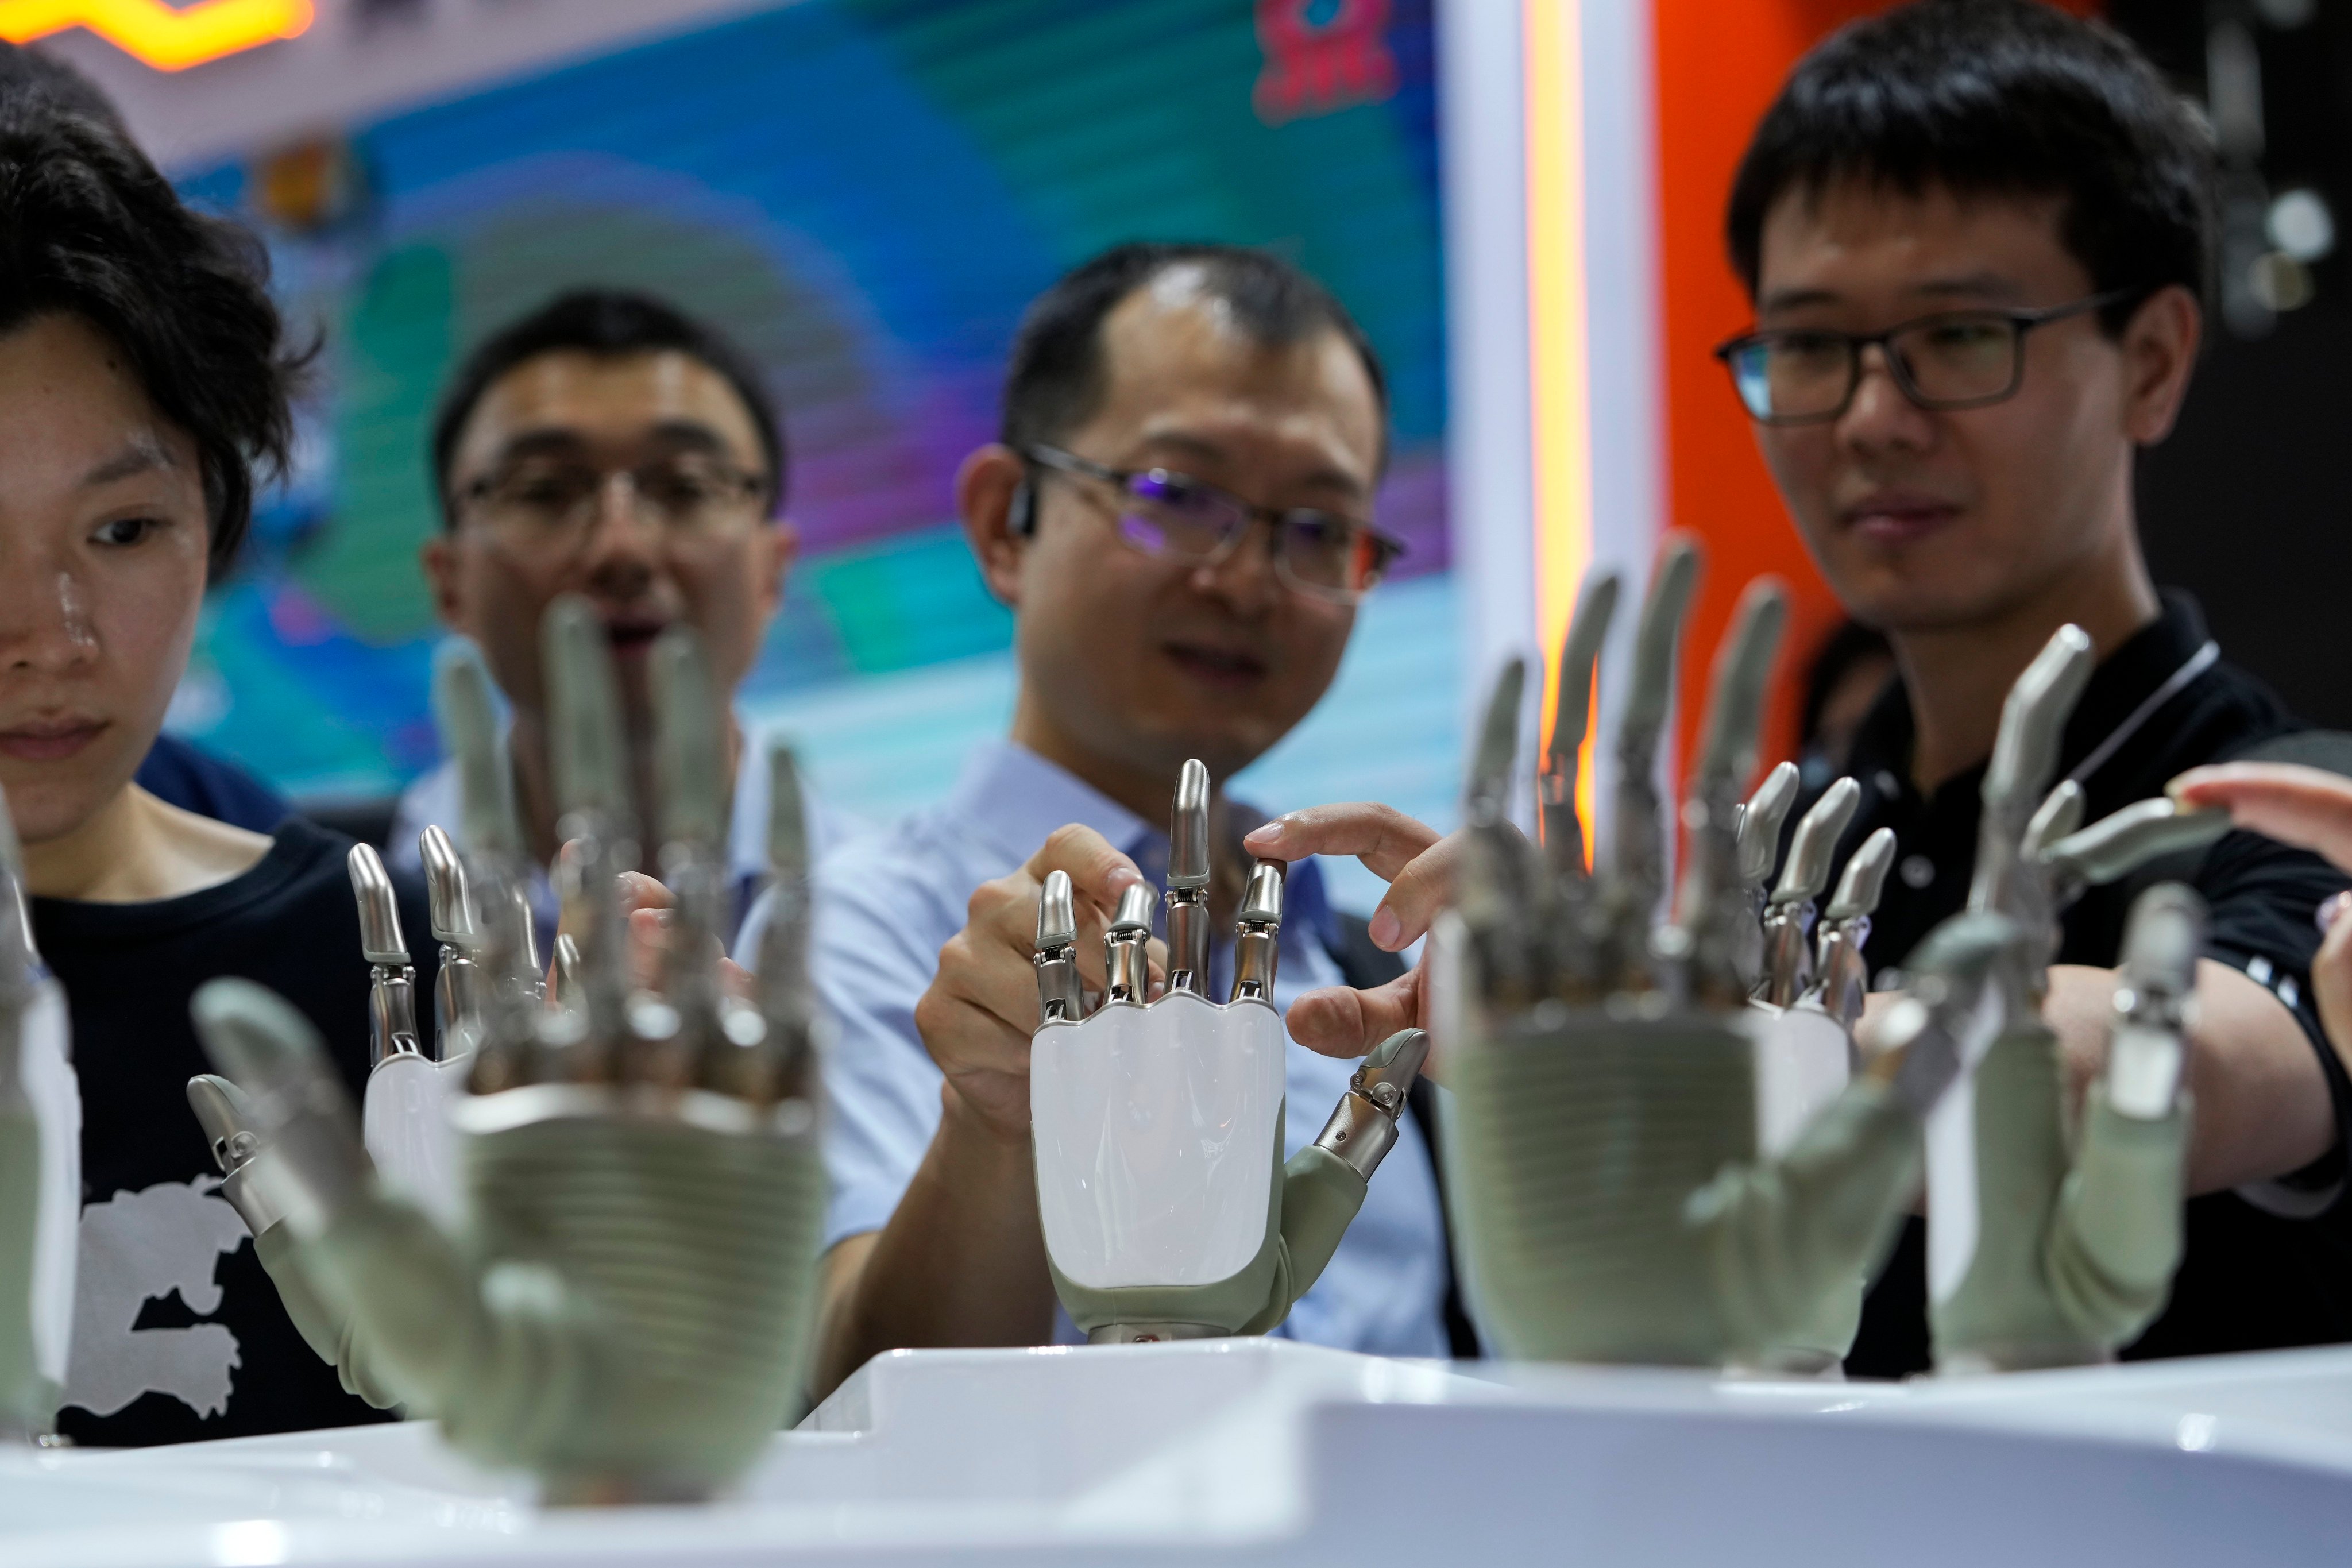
(151, 31)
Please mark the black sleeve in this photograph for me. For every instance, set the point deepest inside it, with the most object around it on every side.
(2264, 898)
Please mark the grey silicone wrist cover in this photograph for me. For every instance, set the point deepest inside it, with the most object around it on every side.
(1612, 1208)
(2070, 1262)
(628, 1319)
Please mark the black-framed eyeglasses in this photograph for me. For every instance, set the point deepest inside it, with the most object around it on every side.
(549, 504)
(1952, 360)
(1175, 517)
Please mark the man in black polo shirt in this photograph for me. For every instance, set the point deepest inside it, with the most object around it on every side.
(1976, 235)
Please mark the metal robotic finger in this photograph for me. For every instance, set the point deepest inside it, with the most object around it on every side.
(1563, 830)
(1759, 827)
(1710, 910)
(392, 983)
(598, 825)
(222, 1111)
(504, 982)
(563, 989)
(1497, 894)
(2024, 756)
(1187, 882)
(1759, 823)
(786, 1058)
(1127, 948)
(1059, 998)
(1843, 975)
(2153, 1002)
(2115, 845)
(1257, 939)
(679, 1035)
(1362, 1129)
(1639, 829)
(456, 986)
(1787, 922)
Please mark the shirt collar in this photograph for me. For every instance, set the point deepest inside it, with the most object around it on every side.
(2126, 678)
(1016, 799)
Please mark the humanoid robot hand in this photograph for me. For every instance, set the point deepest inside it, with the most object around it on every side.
(1619, 1197)
(2037, 1256)
(1158, 1121)
(642, 1195)
(40, 1165)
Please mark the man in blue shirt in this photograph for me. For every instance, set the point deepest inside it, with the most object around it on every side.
(1179, 515)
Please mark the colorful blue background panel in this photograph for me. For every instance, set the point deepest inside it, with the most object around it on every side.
(865, 193)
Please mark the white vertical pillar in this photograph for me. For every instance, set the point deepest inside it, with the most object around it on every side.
(1627, 332)
(1552, 443)
(1490, 501)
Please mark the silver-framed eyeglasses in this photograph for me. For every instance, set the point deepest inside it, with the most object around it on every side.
(552, 505)
(1174, 517)
(1951, 360)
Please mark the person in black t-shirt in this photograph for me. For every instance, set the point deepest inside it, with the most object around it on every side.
(143, 380)
(1976, 234)
(1977, 238)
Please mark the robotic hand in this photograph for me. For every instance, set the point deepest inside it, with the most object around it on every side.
(2034, 1259)
(643, 1192)
(40, 1165)
(1611, 1189)
(1166, 1209)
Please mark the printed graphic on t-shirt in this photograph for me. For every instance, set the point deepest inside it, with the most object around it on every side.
(144, 1247)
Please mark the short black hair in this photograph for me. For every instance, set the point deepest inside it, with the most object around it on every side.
(609, 324)
(1056, 378)
(1997, 97)
(89, 229)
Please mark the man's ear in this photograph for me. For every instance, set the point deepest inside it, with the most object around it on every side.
(438, 557)
(2159, 344)
(984, 488)
(779, 550)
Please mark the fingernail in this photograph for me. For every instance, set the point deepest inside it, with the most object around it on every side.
(2333, 911)
(1266, 835)
(1387, 930)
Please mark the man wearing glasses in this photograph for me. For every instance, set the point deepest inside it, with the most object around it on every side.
(1977, 240)
(1179, 513)
(603, 445)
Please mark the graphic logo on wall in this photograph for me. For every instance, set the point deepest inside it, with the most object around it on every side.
(1321, 56)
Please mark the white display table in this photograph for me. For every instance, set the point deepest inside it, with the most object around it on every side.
(1254, 1451)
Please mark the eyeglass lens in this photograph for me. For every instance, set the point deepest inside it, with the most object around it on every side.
(554, 504)
(1949, 361)
(1167, 515)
